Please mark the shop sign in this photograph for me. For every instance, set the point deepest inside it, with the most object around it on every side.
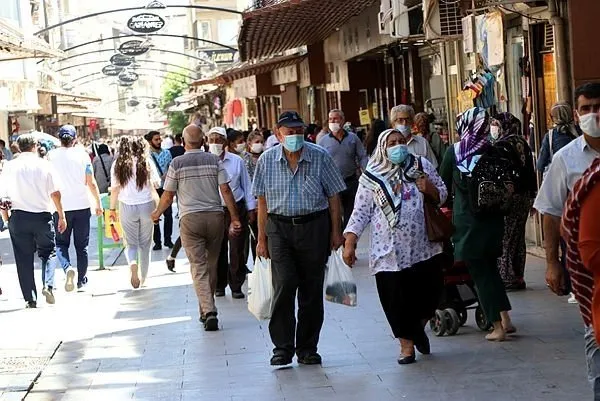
(121, 60)
(338, 77)
(222, 56)
(112, 70)
(245, 87)
(145, 23)
(364, 116)
(285, 75)
(375, 110)
(133, 48)
(125, 84)
(304, 68)
(128, 76)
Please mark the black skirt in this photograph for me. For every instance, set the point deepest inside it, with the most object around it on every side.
(410, 296)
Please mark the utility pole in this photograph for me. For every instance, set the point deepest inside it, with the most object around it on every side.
(560, 52)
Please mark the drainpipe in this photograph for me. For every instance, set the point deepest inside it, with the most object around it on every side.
(560, 52)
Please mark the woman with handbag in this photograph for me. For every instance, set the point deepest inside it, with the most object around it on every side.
(477, 239)
(391, 196)
(134, 182)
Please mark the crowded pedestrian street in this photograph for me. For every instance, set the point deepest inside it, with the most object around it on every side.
(297, 200)
(110, 343)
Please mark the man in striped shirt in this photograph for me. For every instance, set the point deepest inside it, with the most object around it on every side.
(567, 167)
(197, 178)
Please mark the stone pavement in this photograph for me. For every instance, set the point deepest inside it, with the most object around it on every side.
(118, 344)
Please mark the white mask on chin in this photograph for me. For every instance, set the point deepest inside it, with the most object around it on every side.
(240, 147)
(334, 127)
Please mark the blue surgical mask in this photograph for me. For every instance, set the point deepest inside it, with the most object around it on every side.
(397, 154)
(404, 129)
(293, 143)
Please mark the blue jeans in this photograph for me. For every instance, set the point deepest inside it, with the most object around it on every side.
(78, 224)
(31, 232)
(592, 357)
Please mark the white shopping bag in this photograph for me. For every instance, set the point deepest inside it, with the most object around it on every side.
(340, 286)
(260, 289)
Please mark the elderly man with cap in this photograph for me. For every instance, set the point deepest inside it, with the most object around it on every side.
(299, 215)
(31, 226)
(75, 171)
(233, 257)
(198, 178)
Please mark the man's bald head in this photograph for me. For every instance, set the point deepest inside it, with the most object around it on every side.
(193, 136)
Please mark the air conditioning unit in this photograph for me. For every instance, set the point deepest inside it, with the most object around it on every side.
(400, 21)
(384, 17)
(442, 19)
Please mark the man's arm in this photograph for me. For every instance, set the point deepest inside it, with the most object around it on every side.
(554, 270)
(166, 200)
(361, 155)
(62, 223)
(92, 185)
(335, 213)
(229, 202)
(262, 247)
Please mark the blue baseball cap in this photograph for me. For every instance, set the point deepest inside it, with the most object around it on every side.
(67, 130)
(290, 119)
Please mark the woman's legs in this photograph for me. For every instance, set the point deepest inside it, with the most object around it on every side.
(130, 221)
(512, 262)
(492, 295)
(146, 230)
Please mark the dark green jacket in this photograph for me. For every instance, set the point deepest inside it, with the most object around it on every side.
(475, 237)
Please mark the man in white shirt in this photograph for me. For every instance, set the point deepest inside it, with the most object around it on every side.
(74, 167)
(235, 271)
(567, 167)
(31, 225)
(402, 118)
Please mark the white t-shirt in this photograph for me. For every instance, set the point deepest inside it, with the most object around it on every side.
(29, 181)
(72, 165)
(129, 194)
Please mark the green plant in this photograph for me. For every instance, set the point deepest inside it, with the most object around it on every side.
(172, 88)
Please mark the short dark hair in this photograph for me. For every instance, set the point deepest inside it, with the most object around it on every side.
(151, 135)
(590, 90)
(27, 142)
(2, 142)
(66, 140)
(103, 149)
(234, 135)
(179, 138)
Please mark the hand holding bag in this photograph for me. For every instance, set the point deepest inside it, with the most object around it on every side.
(340, 287)
(260, 289)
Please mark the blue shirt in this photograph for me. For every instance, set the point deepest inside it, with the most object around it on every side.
(162, 161)
(305, 191)
(349, 154)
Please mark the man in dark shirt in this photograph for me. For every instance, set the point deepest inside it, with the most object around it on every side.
(177, 149)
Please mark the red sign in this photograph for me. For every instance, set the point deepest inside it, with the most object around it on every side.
(93, 125)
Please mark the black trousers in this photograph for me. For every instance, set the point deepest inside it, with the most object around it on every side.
(168, 224)
(31, 232)
(347, 198)
(410, 296)
(298, 258)
(232, 259)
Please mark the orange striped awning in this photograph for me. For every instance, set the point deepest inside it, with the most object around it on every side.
(273, 26)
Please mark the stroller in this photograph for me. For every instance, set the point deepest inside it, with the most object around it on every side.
(458, 296)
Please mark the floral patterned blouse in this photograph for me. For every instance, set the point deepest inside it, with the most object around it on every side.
(405, 245)
(250, 163)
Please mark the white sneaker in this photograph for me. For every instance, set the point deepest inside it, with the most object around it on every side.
(70, 283)
(572, 299)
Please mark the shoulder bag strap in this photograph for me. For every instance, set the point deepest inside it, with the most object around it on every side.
(157, 165)
(550, 136)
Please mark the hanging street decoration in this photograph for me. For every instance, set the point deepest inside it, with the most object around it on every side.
(133, 102)
(125, 84)
(112, 70)
(121, 60)
(156, 5)
(128, 76)
(145, 23)
(134, 48)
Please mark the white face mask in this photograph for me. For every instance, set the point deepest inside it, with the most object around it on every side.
(334, 127)
(495, 131)
(589, 124)
(257, 148)
(240, 147)
(215, 148)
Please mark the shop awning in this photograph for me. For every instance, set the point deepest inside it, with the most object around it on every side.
(69, 95)
(272, 26)
(15, 44)
(181, 107)
(248, 69)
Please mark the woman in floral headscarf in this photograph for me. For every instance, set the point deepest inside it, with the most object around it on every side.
(512, 262)
(477, 240)
(406, 265)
